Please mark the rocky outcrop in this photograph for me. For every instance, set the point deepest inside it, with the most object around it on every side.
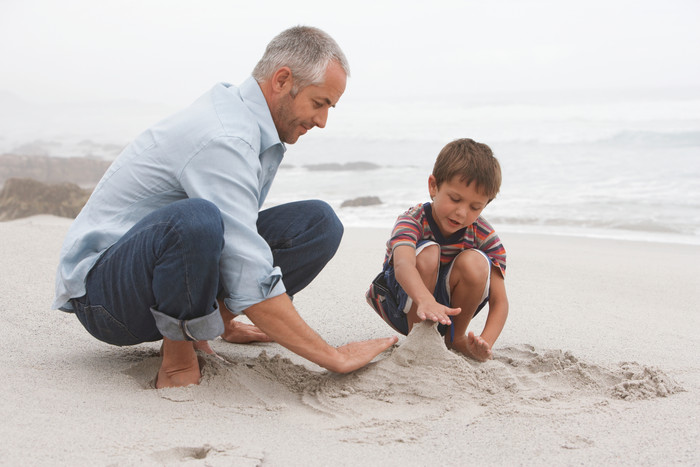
(24, 197)
(84, 171)
(361, 201)
(335, 167)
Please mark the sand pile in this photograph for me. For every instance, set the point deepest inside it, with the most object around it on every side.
(415, 384)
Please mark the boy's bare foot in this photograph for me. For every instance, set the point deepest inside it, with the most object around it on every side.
(179, 367)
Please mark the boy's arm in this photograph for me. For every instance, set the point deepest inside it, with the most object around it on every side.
(409, 278)
(498, 308)
(479, 347)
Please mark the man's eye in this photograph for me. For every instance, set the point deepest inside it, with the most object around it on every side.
(318, 105)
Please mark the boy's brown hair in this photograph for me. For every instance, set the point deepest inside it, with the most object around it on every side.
(473, 162)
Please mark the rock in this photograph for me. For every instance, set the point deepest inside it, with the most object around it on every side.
(84, 171)
(361, 201)
(24, 197)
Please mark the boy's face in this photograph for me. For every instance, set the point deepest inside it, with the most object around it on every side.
(455, 204)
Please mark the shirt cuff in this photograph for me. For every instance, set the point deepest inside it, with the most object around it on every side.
(269, 287)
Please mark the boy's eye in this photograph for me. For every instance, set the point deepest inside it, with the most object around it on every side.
(454, 200)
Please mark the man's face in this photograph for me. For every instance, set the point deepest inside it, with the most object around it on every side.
(294, 116)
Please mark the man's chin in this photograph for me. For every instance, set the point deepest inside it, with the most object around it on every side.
(293, 138)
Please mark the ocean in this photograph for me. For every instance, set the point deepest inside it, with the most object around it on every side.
(622, 165)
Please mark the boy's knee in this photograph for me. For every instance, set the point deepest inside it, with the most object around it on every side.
(471, 266)
(428, 260)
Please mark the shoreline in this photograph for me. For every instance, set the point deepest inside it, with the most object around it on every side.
(566, 231)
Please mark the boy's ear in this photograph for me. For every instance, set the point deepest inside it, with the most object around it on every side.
(432, 186)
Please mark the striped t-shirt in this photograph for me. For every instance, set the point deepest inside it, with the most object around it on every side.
(417, 224)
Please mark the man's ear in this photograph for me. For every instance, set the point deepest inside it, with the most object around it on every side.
(282, 80)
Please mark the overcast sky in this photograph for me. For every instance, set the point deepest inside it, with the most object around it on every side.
(170, 51)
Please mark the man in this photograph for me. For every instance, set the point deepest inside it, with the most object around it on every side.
(174, 224)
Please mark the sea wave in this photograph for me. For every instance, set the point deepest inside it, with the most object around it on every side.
(654, 138)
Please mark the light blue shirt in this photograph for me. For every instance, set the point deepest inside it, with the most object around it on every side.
(223, 148)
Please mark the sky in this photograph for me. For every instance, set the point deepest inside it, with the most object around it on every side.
(171, 51)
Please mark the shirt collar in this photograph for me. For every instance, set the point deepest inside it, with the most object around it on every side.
(255, 100)
(454, 238)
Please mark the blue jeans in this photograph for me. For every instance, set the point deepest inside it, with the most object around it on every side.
(161, 278)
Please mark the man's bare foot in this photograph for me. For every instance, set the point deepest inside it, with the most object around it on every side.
(179, 367)
(242, 333)
(204, 347)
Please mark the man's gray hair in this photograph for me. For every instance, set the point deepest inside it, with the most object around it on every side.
(307, 51)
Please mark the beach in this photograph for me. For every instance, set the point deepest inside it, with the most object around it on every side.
(598, 364)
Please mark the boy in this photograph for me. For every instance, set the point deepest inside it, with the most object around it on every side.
(443, 254)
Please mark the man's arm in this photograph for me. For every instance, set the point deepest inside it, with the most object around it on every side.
(278, 318)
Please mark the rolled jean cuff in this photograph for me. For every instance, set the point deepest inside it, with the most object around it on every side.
(204, 328)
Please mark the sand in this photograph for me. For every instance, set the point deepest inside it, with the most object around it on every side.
(598, 364)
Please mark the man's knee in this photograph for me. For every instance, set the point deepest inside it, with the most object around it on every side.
(196, 223)
(326, 220)
(203, 220)
(327, 215)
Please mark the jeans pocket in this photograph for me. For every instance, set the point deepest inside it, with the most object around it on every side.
(102, 325)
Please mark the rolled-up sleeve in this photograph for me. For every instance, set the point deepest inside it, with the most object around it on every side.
(227, 172)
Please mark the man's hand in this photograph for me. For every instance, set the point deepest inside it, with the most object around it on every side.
(355, 355)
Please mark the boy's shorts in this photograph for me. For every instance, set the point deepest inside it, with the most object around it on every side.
(392, 303)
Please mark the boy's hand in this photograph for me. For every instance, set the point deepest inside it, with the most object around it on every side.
(472, 346)
(478, 348)
(436, 312)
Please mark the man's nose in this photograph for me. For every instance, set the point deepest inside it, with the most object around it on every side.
(321, 118)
